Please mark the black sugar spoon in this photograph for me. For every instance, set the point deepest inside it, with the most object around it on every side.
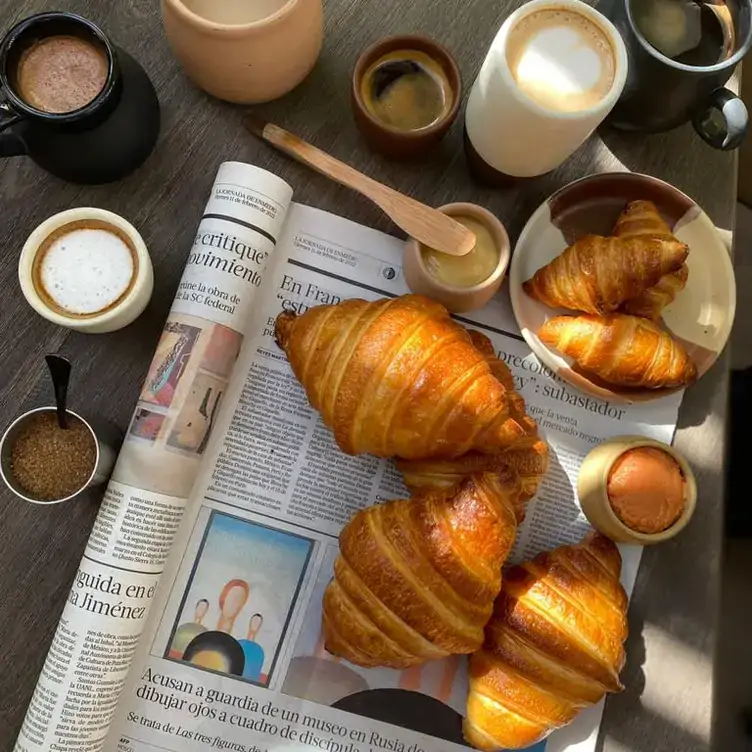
(60, 370)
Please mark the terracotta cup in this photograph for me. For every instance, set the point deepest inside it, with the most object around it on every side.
(391, 141)
(458, 299)
(245, 61)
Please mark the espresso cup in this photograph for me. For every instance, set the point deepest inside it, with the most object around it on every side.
(90, 122)
(416, 58)
(552, 74)
(664, 92)
(245, 52)
(86, 269)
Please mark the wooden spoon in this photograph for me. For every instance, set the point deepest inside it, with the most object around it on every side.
(427, 225)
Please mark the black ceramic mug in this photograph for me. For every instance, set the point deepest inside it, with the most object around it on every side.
(662, 93)
(102, 140)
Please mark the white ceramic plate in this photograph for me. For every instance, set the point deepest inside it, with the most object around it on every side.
(702, 314)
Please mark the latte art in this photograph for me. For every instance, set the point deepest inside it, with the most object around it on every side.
(561, 60)
(85, 268)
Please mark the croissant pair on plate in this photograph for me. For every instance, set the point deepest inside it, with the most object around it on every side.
(623, 283)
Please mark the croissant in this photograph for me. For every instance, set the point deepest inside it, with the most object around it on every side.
(520, 424)
(416, 579)
(527, 458)
(554, 645)
(650, 303)
(597, 275)
(397, 378)
(642, 219)
(621, 349)
(520, 470)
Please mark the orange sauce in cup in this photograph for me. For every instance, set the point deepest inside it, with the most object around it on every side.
(647, 490)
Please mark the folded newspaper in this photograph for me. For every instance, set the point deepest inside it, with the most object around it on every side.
(194, 619)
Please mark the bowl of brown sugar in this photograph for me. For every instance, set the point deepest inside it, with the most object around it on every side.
(45, 464)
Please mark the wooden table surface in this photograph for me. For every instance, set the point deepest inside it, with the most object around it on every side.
(669, 675)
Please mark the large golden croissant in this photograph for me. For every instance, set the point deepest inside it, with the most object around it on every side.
(397, 378)
(416, 579)
(527, 458)
(620, 349)
(597, 275)
(553, 646)
(523, 427)
(642, 219)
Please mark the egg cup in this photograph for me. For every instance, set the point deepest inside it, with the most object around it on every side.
(592, 488)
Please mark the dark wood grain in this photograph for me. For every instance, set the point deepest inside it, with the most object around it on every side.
(667, 707)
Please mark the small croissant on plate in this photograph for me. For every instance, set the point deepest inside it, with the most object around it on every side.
(554, 645)
(598, 275)
(642, 219)
(623, 350)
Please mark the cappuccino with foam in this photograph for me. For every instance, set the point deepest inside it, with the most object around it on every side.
(561, 60)
(553, 73)
(85, 268)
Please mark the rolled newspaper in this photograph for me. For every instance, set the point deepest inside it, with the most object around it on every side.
(86, 667)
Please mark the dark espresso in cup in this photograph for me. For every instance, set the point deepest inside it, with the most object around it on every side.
(406, 90)
(61, 73)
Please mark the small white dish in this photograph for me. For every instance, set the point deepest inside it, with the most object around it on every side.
(700, 318)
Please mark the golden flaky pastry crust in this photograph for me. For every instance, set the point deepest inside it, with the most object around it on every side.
(397, 378)
(416, 578)
(554, 645)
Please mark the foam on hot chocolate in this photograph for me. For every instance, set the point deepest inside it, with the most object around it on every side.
(85, 268)
(561, 59)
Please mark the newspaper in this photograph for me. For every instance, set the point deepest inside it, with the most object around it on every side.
(91, 652)
(232, 657)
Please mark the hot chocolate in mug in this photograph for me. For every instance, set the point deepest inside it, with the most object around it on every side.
(81, 108)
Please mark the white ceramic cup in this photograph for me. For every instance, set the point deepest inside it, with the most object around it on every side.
(513, 134)
(123, 312)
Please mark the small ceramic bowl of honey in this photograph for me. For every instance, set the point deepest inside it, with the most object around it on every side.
(461, 283)
(637, 490)
(406, 93)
